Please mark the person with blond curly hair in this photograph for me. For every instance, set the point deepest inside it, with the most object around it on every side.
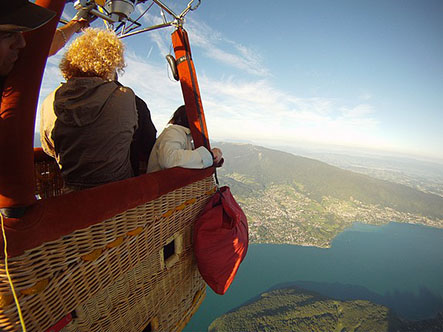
(87, 124)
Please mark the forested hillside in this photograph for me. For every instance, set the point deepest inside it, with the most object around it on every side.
(293, 199)
(294, 309)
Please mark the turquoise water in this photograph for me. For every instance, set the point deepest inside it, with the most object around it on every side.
(398, 265)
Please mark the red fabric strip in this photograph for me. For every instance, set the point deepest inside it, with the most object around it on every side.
(60, 324)
(17, 114)
(191, 92)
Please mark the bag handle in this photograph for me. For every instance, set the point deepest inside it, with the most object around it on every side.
(216, 179)
(220, 163)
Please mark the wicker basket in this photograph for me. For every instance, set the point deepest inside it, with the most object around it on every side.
(132, 272)
(48, 178)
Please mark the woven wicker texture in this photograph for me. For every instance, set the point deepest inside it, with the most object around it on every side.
(48, 178)
(113, 275)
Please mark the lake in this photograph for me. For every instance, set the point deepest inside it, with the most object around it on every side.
(397, 265)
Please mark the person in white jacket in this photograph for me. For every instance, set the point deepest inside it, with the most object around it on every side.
(174, 147)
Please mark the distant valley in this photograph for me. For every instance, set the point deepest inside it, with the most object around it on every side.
(298, 200)
(423, 175)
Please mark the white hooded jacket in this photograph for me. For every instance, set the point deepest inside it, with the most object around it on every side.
(174, 148)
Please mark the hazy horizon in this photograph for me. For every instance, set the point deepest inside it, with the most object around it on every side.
(364, 75)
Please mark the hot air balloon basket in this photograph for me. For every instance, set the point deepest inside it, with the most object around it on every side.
(133, 272)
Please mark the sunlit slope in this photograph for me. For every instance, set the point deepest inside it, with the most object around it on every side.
(294, 309)
(297, 200)
(248, 168)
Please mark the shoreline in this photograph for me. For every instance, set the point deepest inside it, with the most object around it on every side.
(362, 223)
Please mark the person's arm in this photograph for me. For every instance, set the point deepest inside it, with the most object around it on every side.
(172, 153)
(217, 155)
(47, 122)
(64, 33)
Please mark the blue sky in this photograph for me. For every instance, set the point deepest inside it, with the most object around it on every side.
(364, 74)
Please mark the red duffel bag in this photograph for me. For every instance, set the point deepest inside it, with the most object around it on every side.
(220, 240)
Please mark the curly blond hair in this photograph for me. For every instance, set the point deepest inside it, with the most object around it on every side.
(96, 53)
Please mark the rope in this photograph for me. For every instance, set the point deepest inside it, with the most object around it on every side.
(132, 23)
(22, 322)
(65, 39)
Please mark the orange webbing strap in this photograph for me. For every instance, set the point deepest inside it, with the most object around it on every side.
(17, 303)
(17, 114)
(189, 84)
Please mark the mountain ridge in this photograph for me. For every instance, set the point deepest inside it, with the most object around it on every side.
(314, 199)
